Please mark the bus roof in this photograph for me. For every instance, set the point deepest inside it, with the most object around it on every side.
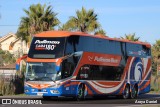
(67, 33)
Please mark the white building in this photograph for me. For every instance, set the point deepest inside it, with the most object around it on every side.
(15, 46)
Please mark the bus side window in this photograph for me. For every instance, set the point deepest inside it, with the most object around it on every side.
(146, 50)
(84, 73)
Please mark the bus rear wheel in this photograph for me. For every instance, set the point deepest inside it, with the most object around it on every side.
(126, 94)
(80, 93)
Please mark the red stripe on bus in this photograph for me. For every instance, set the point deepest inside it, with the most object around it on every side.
(148, 67)
(143, 87)
(126, 68)
(89, 91)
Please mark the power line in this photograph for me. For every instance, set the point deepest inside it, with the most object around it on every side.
(9, 25)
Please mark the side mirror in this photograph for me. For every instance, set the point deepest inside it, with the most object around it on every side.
(57, 68)
(17, 67)
(78, 53)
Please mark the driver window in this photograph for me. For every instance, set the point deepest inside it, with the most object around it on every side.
(50, 68)
(67, 68)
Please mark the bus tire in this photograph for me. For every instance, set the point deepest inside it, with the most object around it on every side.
(126, 94)
(81, 92)
(134, 92)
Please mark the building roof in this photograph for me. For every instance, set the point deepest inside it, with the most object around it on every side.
(10, 66)
(6, 37)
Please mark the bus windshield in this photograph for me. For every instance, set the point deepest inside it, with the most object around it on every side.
(46, 48)
(42, 72)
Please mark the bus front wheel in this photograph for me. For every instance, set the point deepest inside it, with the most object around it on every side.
(81, 92)
(126, 93)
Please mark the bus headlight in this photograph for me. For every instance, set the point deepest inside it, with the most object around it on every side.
(54, 91)
(32, 90)
(26, 90)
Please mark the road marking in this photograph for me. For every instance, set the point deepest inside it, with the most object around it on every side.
(129, 106)
(144, 105)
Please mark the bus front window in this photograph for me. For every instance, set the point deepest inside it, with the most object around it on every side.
(42, 72)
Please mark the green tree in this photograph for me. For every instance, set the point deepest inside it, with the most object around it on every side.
(38, 18)
(84, 21)
(131, 37)
(155, 55)
(6, 58)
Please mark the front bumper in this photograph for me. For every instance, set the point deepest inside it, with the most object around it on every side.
(43, 92)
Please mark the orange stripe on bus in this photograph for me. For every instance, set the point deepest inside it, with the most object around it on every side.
(38, 86)
(40, 60)
(89, 91)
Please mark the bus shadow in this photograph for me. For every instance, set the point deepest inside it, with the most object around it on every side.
(86, 99)
(65, 99)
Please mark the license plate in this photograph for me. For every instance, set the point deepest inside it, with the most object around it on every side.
(40, 94)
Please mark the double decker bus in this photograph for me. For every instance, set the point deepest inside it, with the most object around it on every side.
(79, 65)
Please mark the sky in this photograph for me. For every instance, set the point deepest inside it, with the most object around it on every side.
(117, 17)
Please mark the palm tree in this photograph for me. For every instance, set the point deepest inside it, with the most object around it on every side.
(84, 21)
(130, 37)
(100, 32)
(24, 29)
(39, 18)
(63, 27)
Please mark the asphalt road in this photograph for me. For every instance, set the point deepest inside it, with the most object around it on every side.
(110, 101)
